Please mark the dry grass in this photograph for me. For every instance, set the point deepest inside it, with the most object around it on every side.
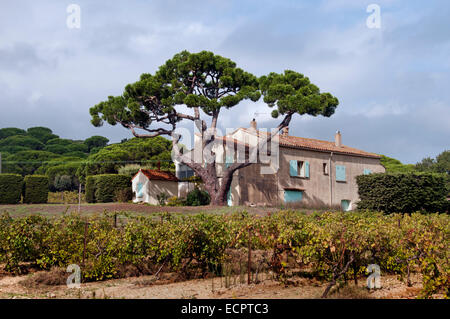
(350, 292)
(53, 277)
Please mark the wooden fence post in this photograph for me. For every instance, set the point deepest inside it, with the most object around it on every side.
(249, 257)
(84, 242)
(79, 198)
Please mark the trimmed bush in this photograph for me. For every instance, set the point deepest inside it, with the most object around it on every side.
(36, 189)
(402, 193)
(10, 188)
(90, 189)
(108, 185)
(197, 197)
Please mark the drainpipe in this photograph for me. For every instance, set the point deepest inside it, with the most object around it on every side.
(331, 179)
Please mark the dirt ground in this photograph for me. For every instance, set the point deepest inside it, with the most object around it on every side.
(148, 287)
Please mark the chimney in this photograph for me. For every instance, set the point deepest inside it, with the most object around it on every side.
(285, 131)
(338, 139)
(253, 124)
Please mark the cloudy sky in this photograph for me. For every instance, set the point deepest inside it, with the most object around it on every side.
(393, 83)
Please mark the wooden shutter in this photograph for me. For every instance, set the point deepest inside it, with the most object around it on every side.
(306, 169)
(293, 168)
(340, 173)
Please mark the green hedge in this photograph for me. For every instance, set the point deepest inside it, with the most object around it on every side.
(90, 188)
(36, 189)
(10, 188)
(197, 197)
(105, 188)
(403, 192)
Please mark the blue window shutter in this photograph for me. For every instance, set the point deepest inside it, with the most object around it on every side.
(367, 171)
(228, 161)
(293, 168)
(340, 173)
(307, 169)
(292, 196)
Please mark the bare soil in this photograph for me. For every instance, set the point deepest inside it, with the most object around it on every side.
(166, 286)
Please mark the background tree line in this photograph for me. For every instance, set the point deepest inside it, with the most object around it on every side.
(66, 162)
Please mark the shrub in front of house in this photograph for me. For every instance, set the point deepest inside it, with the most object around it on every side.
(36, 189)
(197, 197)
(175, 201)
(107, 187)
(402, 192)
(10, 188)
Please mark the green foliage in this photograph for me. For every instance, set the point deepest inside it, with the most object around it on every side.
(27, 162)
(10, 188)
(292, 92)
(106, 186)
(395, 166)
(90, 189)
(11, 131)
(147, 152)
(131, 169)
(69, 169)
(439, 165)
(43, 134)
(12, 149)
(222, 85)
(37, 150)
(96, 141)
(36, 189)
(175, 201)
(63, 183)
(402, 193)
(162, 198)
(197, 197)
(56, 148)
(329, 246)
(22, 140)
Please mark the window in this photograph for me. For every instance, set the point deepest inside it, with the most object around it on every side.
(340, 173)
(299, 168)
(325, 169)
(293, 196)
(367, 171)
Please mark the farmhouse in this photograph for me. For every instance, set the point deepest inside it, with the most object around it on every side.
(148, 184)
(310, 172)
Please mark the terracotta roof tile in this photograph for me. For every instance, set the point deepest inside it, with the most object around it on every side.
(158, 175)
(313, 144)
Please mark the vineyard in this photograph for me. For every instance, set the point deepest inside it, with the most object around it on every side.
(332, 247)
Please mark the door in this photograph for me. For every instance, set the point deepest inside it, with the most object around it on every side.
(291, 196)
(140, 190)
(229, 201)
(345, 205)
